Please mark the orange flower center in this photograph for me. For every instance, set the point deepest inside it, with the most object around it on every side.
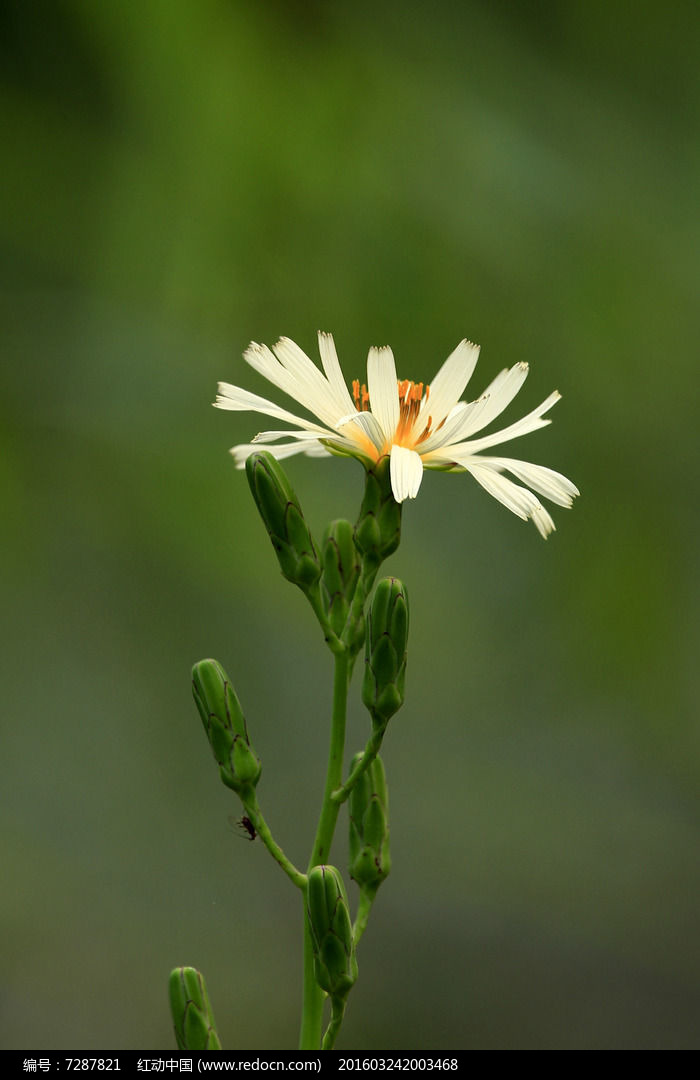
(410, 400)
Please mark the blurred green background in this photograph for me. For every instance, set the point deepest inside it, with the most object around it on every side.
(180, 177)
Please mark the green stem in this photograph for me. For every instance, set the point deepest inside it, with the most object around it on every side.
(363, 909)
(362, 591)
(313, 997)
(334, 643)
(334, 772)
(310, 1037)
(369, 753)
(337, 1013)
(262, 829)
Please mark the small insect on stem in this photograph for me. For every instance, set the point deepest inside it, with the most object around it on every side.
(244, 827)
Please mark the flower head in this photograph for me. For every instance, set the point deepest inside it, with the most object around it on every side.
(418, 427)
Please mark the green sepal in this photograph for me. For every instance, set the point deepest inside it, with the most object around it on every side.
(385, 661)
(283, 518)
(378, 528)
(335, 963)
(224, 723)
(341, 573)
(191, 1011)
(370, 857)
(385, 651)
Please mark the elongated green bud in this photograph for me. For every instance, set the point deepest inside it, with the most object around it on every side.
(280, 510)
(193, 1018)
(341, 572)
(385, 651)
(335, 964)
(225, 726)
(370, 860)
(378, 528)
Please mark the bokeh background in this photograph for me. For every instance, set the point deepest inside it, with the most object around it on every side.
(180, 177)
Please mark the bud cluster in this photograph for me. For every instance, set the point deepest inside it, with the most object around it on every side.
(337, 585)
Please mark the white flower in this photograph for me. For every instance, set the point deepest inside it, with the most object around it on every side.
(417, 427)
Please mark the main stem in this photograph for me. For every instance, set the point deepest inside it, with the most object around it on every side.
(312, 1009)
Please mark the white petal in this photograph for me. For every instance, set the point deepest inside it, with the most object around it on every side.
(546, 481)
(262, 360)
(312, 389)
(543, 522)
(383, 389)
(282, 450)
(529, 423)
(481, 412)
(297, 387)
(448, 385)
(464, 418)
(334, 374)
(406, 470)
(517, 499)
(501, 392)
(238, 400)
(272, 436)
(369, 424)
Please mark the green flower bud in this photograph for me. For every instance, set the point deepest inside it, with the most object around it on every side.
(225, 726)
(385, 652)
(193, 1018)
(378, 528)
(370, 860)
(335, 964)
(279, 508)
(341, 572)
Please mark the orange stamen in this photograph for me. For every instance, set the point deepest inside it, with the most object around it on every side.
(360, 396)
(410, 399)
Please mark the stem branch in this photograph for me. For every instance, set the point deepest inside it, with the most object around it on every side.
(369, 754)
(262, 829)
(363, 909)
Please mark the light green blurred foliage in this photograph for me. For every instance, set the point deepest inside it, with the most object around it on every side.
(179, 178)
